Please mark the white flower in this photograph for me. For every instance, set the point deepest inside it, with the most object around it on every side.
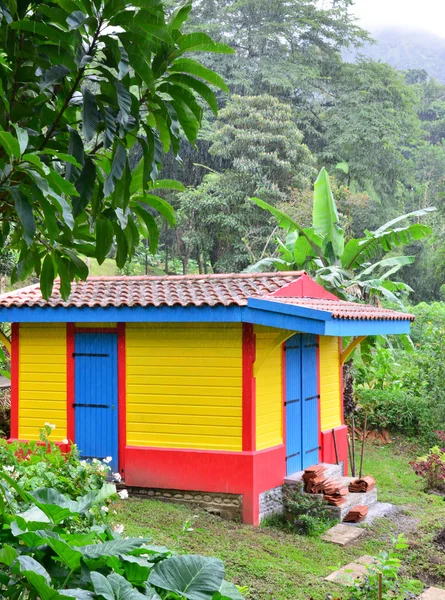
(117, 477)
(65, 441)
(123, 495)
(104, 509)
(50, 425)
(108, 460)
(118, 529)
(8, 469)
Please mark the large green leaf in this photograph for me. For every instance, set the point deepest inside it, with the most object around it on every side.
(416, 213)
(115, 587)
(188, 65)
(26, 216)
(10, 144)
(90, 117)
(192, 576)
(326, 221)
(159, 204)
(111, 548)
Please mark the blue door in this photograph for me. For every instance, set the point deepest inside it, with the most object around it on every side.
(309, 400)
(302, 397)
(96, 396)
(293, 405)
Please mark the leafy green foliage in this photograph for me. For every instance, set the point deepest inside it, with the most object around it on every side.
(82, 82)
(342, 266)
(384, 574)
(40, 557)
(257, 138)
(42, 464)
(401, 386)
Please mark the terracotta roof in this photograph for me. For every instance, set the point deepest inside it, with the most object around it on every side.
(200, 290)
(176, 290)
(339, 309)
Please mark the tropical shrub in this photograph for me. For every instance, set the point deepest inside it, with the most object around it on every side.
(5, 413)
(395, 410)
(303, 513)
(383, 578)
(431, 468)
(41, 558)
(401, 386)
(42, 464)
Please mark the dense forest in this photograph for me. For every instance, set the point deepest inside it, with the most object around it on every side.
(294, 106)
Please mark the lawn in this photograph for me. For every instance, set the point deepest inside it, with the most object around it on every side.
(278, 565)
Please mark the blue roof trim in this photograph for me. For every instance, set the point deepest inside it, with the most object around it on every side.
(258, 312)
(123, 314)
(289, 309)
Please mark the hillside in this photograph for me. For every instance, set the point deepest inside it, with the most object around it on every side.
(408, 50)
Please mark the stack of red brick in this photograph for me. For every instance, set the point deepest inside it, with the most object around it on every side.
(315, 482)
(363, 485)
(356, 514)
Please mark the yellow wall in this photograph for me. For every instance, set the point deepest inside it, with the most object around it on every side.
(42, 379)
(269, 400)
(330, 385)
(184, 386)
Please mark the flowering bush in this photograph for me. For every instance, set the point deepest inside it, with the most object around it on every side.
(432, 469)
(43, 464)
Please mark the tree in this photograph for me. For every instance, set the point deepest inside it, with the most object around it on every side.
(82, 82)
(258, 137)
(281, 46)
(370, 130)
(345, 266)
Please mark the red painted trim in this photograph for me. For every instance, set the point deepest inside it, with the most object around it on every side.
(249, 396)
(283, 388)
(97, 329)
(245, 473)
(319, 396)
(342, 398)
(15, 369)
(122, 395)
(70, 383)
(327, 444)
(303, 287)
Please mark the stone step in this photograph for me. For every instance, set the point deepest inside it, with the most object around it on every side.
(366, 499)
(332, 471)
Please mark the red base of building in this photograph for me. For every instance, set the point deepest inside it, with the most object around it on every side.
(245, 473)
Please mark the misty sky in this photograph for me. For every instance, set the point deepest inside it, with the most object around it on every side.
(428, 15)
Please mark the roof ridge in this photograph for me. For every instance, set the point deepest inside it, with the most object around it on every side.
(193, 277)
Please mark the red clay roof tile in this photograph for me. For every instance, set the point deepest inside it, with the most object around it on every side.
(190, 290)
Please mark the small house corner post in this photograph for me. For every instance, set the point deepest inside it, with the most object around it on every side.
(70, 383)
(248, 388)
(122, 397)
(15, 374)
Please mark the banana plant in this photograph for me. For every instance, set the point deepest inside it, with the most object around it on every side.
(352, 269)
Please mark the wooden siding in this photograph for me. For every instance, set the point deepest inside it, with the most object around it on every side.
(184, 386)
(42, 379)
(330, 385)
(269, 401)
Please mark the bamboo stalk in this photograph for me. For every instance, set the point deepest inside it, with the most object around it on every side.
(353, 446)
(380, 586)
(363, 444)
(350, 452)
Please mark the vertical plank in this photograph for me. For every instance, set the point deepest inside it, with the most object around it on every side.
(15, 374)
(293, 405)
(310, 400)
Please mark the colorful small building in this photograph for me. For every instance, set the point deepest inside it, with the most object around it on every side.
(208, 383)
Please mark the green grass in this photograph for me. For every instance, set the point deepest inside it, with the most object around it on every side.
(280, 565)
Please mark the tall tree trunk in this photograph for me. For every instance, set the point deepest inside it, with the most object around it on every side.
(166, 259)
